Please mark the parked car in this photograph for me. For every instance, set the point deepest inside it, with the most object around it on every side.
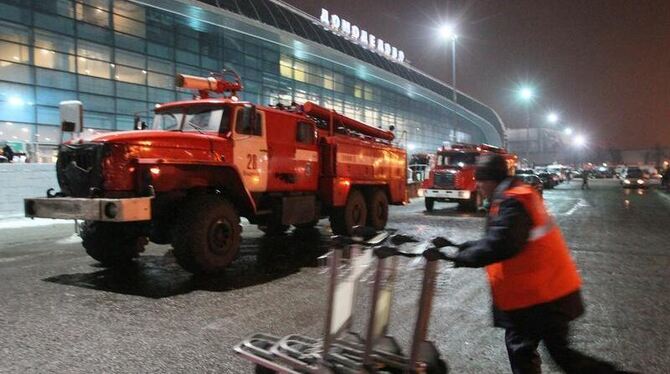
(635, 178)
(533, 180)
(549, 180)
(525, 172)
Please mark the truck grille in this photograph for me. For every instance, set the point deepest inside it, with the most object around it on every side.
(79, 168)
(445, 180)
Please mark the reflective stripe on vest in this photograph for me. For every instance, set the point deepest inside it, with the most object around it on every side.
(541, 231)
(543, 270)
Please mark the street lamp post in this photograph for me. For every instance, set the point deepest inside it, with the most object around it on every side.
(552, 119)
(526, 93)
(448, 32)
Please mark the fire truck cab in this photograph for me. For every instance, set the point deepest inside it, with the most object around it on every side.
(452, 178)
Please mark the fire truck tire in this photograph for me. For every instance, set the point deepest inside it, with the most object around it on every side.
(354, 213)
(207, 236)
(112, 243)
(272, 228)
(430, 204)
(472, 204)
(378, 209)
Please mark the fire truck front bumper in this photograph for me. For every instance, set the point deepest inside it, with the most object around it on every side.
(447, 194)
(93, 209)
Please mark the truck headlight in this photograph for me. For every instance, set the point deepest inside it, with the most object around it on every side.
(111, 210)
(640, 181)
(626, 181)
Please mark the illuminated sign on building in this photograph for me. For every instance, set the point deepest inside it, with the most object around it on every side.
(354, 33)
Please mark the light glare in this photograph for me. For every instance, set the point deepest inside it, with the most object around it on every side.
(15, 100)
(448, 32)
(552, 117)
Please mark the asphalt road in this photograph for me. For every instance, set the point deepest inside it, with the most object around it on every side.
(61, 312)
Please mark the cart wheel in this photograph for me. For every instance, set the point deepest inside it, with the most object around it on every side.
(260, 369)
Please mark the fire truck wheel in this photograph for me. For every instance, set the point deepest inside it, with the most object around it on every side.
(354, 213)
(206, 238)
(475, 202)
(378, 209)
(430, 203)
(272, 228)
(112, 243)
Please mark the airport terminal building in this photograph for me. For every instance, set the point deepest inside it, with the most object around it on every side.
(119, 57)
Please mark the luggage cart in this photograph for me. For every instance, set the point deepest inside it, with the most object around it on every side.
(378, 352)
(424, 356)
(340, 350)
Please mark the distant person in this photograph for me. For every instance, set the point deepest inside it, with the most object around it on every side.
(568, 176)
(8, 152)
(665, 180)
(534, 281)
(585, 179)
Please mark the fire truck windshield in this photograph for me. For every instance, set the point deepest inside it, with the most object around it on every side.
(199, 119)
(457, 159)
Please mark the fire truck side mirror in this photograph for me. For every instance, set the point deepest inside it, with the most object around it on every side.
(71, 116)
(252, 115)
(391, 128)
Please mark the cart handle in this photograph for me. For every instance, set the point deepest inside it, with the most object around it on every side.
(430, 254)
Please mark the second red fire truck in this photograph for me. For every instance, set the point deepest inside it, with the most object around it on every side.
(452, 177)
(209, 161)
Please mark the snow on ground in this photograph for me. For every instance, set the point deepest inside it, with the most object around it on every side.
(21, 222)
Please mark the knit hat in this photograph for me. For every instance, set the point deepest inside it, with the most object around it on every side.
(491, 167)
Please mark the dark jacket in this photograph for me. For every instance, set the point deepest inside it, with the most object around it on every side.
(8, 152)
(506, 234)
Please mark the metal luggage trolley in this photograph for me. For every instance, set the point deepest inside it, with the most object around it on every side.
(424, 356)
(340, 350)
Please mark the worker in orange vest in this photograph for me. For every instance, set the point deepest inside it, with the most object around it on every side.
(534, 281)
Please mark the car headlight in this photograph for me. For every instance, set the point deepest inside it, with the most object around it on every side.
(626, 181)
(640, 181)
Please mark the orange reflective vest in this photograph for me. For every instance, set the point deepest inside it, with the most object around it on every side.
(543, 270)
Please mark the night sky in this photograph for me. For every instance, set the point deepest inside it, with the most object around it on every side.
(604, 65)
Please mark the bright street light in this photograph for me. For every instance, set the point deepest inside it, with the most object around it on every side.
(526, 93)
(552, 118)
(448, 32)
(567, 131)
(579, 140)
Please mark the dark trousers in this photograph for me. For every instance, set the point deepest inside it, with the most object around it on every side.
(522, 350)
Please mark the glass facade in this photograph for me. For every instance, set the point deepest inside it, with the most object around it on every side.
(119, 58)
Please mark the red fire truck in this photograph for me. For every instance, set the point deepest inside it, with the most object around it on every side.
(452, 178)
(211, 160)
